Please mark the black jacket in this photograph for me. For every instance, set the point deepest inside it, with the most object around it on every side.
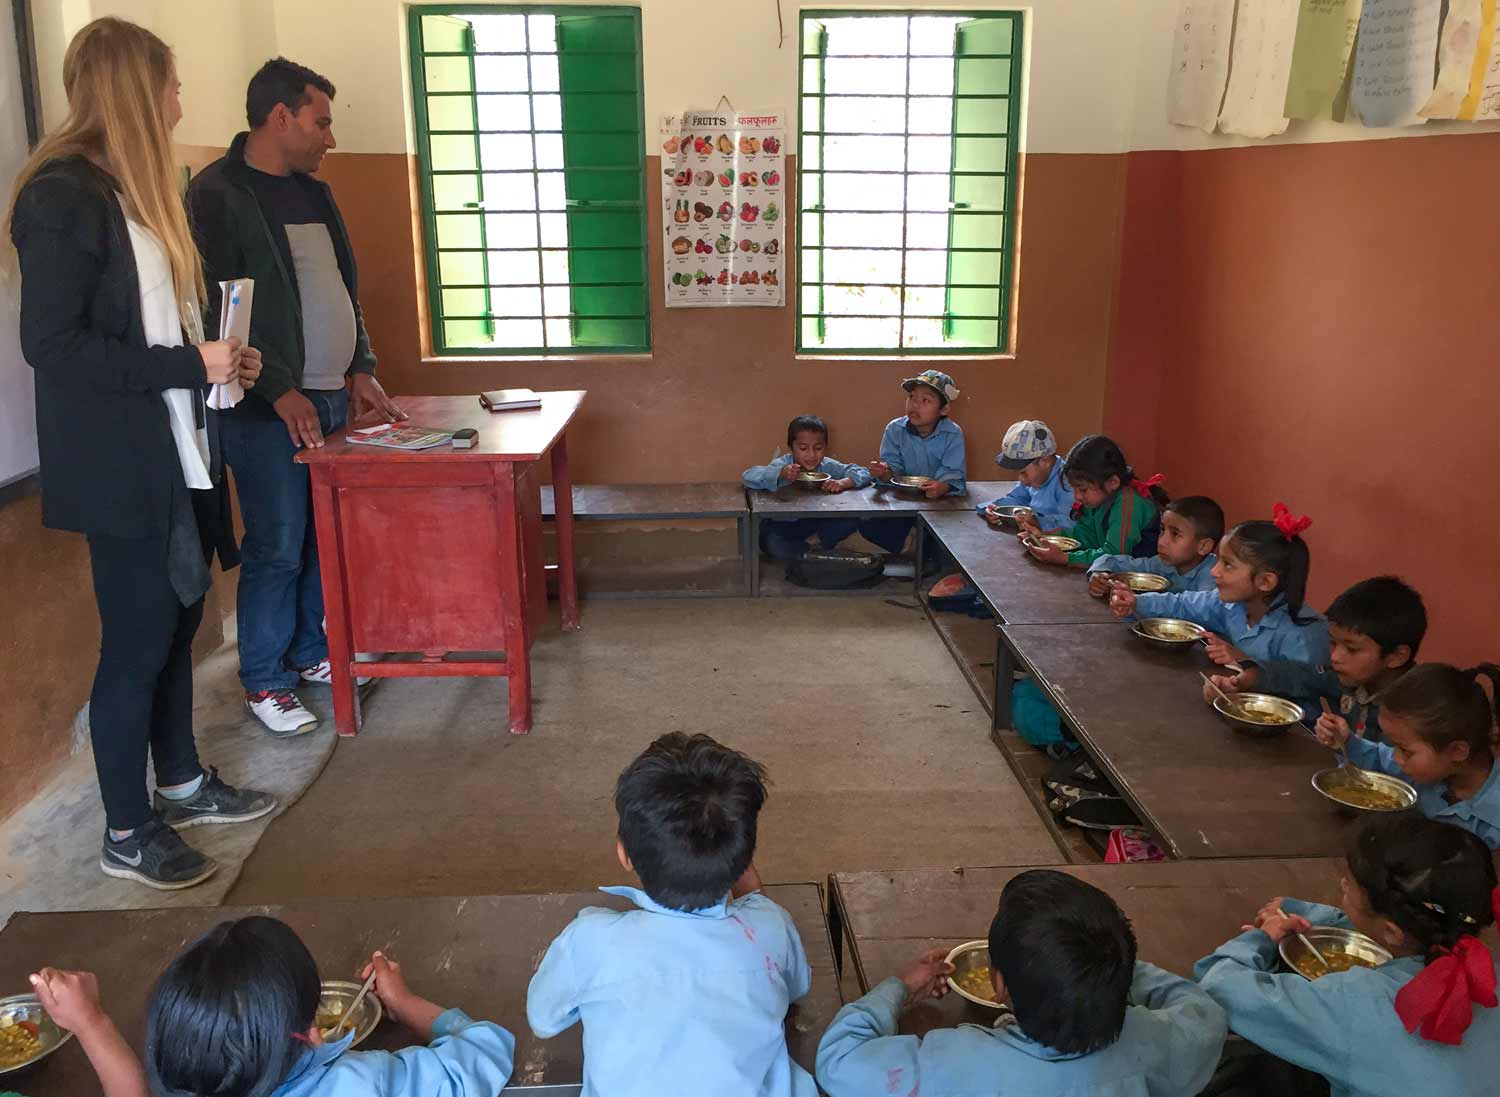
(236, 241)
(108, 462)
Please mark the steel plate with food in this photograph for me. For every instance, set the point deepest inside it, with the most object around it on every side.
(813, 479)
(1167, 633)
(27, 1034)
(1356, 790)
(1142, 582)
(911, 483)
(971, 973)
(337, 994)
(1258, 713)
(1009, 517)
(1051, 540)
(1342, 948)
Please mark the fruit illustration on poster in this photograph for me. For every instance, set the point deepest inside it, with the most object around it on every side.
(772, 212)
(726, 179)
(726, 211)
(724, 244)
(773, 246)
(726, 146)
(703, 178)
(749, 179)
(680, 214)
(771, 178)
(681, 245)
(749, 213)
(749, 146)
(702, 211)
(671, 146)
(771, 146)
(771, 279)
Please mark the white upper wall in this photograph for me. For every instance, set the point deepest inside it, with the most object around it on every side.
(1096, 76)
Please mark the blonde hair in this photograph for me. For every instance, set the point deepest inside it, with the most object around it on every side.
(116, 76)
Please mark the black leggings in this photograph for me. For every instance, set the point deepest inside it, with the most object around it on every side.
(143, 690)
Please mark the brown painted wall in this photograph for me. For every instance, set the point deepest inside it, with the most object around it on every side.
(1329, 343)
(721, 384)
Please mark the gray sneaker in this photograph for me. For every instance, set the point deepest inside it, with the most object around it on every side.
(214, 802)
(155, 856)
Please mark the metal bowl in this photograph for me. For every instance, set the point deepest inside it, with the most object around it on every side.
(1340, 782)
(1142, 582)
(1067, 544)
(1258, 713)
(813, 479)
(911, 483)
(27, 1007)
(967, 957)
(1168, 633)
(1009, 517)
(1330, 941)
(337, 994)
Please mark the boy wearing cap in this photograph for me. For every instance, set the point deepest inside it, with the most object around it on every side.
(923, 442)
(1030, 451)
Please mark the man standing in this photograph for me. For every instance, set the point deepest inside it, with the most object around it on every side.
(258, 213)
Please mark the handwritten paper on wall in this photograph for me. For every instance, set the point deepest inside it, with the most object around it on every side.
(1395, 61)
(1200, 63)
(1259, 68)
(1486, 95)
(1466, 61)
(1320, 59)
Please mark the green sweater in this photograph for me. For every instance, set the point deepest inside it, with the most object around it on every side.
(1112, 527)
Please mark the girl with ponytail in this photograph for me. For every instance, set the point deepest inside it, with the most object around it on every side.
(1117, 513)
(1425, 1022)
(1439, 728)
(1257, 609)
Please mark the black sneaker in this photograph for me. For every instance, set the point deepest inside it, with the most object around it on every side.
(155, 856)
(214, 802)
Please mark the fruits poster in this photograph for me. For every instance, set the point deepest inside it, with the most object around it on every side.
(724, 204)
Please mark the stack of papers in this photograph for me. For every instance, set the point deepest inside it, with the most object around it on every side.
(234, 322)
(394, 437)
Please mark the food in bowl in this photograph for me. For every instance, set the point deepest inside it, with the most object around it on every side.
(1368, 797)
(976, 981)
(20, 1042)
(1142, 582)
(1309, 968)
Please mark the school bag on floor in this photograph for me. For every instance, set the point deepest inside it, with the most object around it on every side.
(830, 569)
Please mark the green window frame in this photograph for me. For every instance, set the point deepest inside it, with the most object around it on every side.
(915, 255)
(530, 124)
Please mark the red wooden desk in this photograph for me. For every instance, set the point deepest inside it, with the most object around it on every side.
(438, 553)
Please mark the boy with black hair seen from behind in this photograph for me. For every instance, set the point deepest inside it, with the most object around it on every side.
(1375, 629)
(1088, 1017)
(689, 992)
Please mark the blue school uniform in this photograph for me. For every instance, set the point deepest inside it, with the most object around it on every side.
(1274, 636)
(1198, 577)
(1053, 501)
(1344, 1025)
(1168, 1047)
(1480, 814)
(768, 477)
(466, 1058)
(1358, 706)
(677, 1002)
(939, 456)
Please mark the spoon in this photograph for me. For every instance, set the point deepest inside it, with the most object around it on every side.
(1302, 939)
(358, 998)
(1221, 694)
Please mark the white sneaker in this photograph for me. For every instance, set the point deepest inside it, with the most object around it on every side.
(280, 712)
(321, 674)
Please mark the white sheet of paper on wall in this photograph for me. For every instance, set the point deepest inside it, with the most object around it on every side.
(1259, 68)
(1487, 95)
(1395, 61)
(1200, 63)
(1468, 63)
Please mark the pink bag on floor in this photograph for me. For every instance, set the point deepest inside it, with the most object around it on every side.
(1128, 844)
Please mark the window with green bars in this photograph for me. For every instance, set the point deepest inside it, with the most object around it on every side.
(907, 181)
(529, 135)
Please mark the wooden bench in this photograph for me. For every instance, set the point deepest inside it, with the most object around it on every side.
(666, 503)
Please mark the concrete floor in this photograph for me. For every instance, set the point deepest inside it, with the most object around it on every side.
(878, 752)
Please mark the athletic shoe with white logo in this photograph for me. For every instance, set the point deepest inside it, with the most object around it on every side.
(214, 802)
(321, 674)
(155, 856)
(280, 712)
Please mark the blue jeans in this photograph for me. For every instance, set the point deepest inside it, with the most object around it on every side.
(786, 538)
(280, 592)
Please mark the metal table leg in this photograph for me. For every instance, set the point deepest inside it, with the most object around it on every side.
(1005, 679)
(752, 555)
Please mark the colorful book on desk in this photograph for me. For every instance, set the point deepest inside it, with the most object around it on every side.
(394, 437)
(510, 399)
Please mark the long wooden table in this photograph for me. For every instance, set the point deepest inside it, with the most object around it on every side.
(476, 953)
(1206, 790)
(1181, 911)
(437, 555)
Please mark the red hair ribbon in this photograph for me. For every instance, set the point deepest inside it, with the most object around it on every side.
(1143, 487)
(1290, 527)
(1440, 1000)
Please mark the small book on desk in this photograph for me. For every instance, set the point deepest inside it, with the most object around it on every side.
(390, 436)
(509, 399)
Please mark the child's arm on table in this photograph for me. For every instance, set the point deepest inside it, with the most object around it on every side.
(951, 471)
(552, 997)
(71, 999)
(770, 477)
(857, 475)
(1196, 1024)
(861, 1053)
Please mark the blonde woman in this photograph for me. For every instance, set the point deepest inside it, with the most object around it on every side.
(109, 277)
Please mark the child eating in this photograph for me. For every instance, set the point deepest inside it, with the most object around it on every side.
(1190, 531)
(1375, 628)
(1439, 735)
(1422, 891)
(689, 992)
(1256, 611)
(1030, 451)
(923, 442)
(1088, 1017)
(235, 1015)
(1118, 513)
(71, 999)
(807, 439)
